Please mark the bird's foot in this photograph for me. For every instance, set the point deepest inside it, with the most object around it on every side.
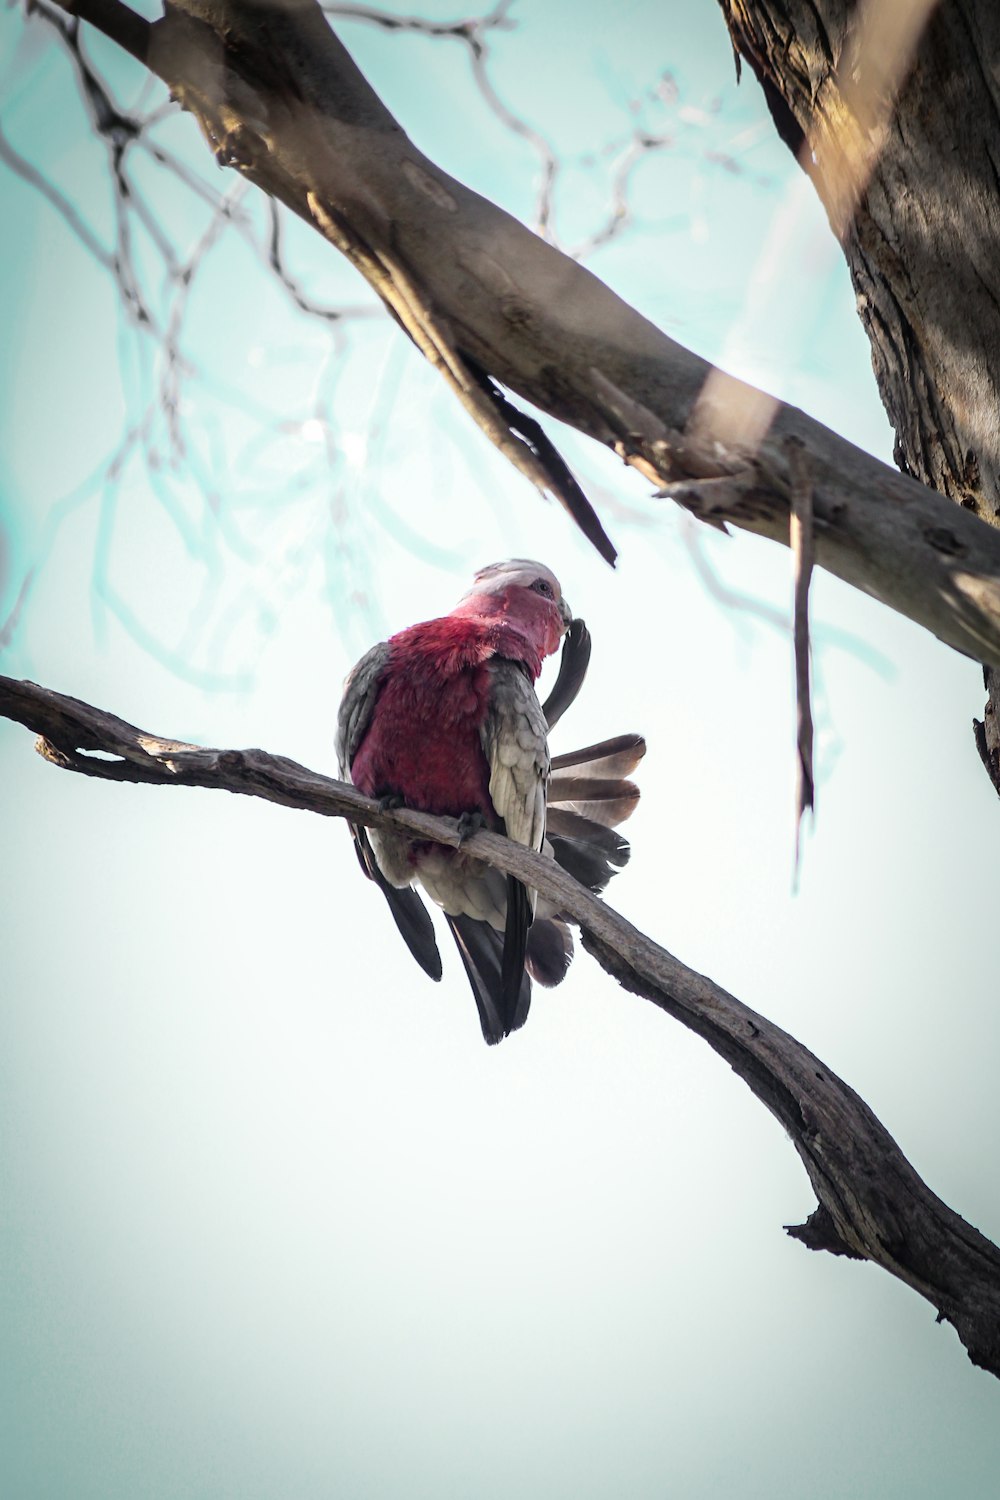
(391, 802)
(468, 824)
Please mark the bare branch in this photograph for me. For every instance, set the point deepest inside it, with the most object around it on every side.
(519, 439)
(541, 325)
(474, 33)
(546, 155)
(470, 31)
(63, 207)
(117, 21)
(182, 434)
(801, 542)
(276, 260)
(619, 216)
(872, 1204)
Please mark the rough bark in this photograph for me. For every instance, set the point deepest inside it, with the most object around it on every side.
(279, 99)
(923, 245)
(872, 1205)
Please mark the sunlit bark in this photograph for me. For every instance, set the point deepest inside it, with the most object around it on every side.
(923, 242)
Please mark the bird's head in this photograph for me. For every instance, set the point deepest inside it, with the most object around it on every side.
(526, 595)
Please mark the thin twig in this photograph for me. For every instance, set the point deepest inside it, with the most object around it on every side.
(470, 31)
(73, 220)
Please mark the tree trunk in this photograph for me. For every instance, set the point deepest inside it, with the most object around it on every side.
(923, 245)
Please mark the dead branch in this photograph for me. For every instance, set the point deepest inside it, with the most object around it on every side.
(871, 1203)
(117, 21)
(279, 99)
(802, 556)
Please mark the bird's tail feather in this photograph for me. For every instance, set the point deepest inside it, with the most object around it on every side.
(481, 950)
(550, 951)
(592, 782)
(408, 911)
(618, 756)
(515, 946)
(587, 796)
(591, 853)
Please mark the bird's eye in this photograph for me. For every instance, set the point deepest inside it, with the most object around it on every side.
(543, 586)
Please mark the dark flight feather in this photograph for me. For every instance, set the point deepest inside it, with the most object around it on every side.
(613, 845)
(550, 951)
(481, 950)
(408, 911)
(586, 861)
(515, 946)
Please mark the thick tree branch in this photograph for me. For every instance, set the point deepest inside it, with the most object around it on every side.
(278, 98)
(871, 1203)
(915, 208)
(117, 21)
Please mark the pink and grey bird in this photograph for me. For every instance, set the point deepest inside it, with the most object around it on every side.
(443, 717)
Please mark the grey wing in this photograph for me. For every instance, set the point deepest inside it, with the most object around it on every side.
(408, 911)
(515, 741)
(360, 692)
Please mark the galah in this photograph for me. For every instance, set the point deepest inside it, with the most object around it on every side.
(443, 717)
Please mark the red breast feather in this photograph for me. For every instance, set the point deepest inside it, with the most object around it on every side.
(423, 739)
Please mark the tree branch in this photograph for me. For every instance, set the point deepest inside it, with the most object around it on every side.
(802, 558)
(904, 202)
(117, 21)
(871, 1203)
(279, 98)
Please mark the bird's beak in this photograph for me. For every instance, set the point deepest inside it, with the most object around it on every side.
(567, 615)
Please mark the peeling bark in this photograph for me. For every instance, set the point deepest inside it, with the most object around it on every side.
(923, 246)
(872, 1205)
(279, 99)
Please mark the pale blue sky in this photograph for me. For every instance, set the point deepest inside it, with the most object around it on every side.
(275, 1222)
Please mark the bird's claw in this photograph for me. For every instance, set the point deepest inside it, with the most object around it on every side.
(468, 824)
(391, 802)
